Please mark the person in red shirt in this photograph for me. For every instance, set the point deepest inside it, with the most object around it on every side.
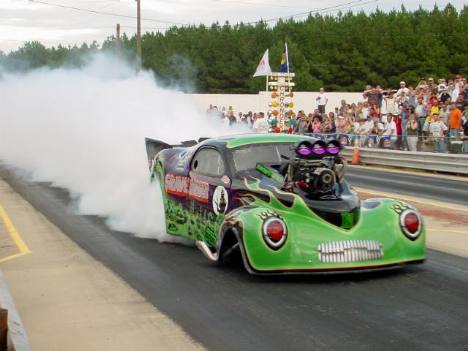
(433, 101)
(399, 130)
(455, 122)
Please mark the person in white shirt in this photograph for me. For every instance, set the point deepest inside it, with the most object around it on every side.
(436, 130)
(261, 124)
(389, 132)
(403, 89)
(365, 111)
(444, 113)
(455, 93)
(369, 124)
(322, 100)
(391, 105)
(441, 86)
(389, 127)
(401, 99)
(374, 133)
(361, 127)
(361, 130)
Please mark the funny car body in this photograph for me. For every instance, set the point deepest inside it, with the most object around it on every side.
(282, 203)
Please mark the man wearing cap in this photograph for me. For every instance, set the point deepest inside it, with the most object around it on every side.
(403, 90)
(322, 100)
(431, 84)
(436, 131)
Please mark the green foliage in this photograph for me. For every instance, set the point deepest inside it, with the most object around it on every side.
(343, 52)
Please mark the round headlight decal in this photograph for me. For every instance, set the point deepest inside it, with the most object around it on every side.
(411, 224)
(274, 232)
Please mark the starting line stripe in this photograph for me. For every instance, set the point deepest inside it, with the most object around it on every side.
(424, 201)
(14, 235)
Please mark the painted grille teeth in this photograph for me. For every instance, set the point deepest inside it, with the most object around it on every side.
(350, 251)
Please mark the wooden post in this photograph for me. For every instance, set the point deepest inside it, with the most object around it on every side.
(138, 35)
(117, 38)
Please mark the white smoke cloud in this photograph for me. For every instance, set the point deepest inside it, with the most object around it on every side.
(84, 130)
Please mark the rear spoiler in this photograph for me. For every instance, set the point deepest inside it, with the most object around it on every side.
(153, 146)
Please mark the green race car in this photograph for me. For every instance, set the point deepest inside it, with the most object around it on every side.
(282, 203)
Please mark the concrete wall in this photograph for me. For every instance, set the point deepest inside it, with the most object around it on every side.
(259, 102)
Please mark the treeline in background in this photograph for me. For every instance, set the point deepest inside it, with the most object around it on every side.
(342, 53)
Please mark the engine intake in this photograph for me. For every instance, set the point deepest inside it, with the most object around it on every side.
(315, 167)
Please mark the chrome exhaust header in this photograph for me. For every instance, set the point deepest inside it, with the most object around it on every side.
(206, 251)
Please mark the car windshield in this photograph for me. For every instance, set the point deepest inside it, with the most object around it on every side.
(247, 157)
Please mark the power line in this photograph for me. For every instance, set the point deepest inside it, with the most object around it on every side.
(262, 4)
(352, 6)
(104, 13)
(338, 7)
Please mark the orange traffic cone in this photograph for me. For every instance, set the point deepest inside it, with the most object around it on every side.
(356, 160)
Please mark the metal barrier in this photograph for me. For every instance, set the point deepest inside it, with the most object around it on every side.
(429, 161)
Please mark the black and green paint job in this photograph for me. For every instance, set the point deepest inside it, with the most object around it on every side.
(255, 197)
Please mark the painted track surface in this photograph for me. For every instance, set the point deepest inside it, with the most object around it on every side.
(437, 187)
(418, 308)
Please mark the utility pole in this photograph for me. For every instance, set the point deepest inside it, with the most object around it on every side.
(117, 39)
(138, 35)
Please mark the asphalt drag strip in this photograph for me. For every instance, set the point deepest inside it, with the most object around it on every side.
(438, 187)
(420, 308)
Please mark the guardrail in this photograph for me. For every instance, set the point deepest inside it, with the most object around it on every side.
(429, 161)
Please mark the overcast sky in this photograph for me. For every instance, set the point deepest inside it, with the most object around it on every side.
(26, 20)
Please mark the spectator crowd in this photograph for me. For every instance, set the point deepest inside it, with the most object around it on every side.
(433, 116)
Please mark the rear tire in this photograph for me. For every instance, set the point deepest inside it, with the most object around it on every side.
(229, 252)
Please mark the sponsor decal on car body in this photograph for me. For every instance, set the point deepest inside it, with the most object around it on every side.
(199, 190)
(176, 185)
(220, 200)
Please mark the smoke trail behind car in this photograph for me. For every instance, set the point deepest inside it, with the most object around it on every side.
(84, 129)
